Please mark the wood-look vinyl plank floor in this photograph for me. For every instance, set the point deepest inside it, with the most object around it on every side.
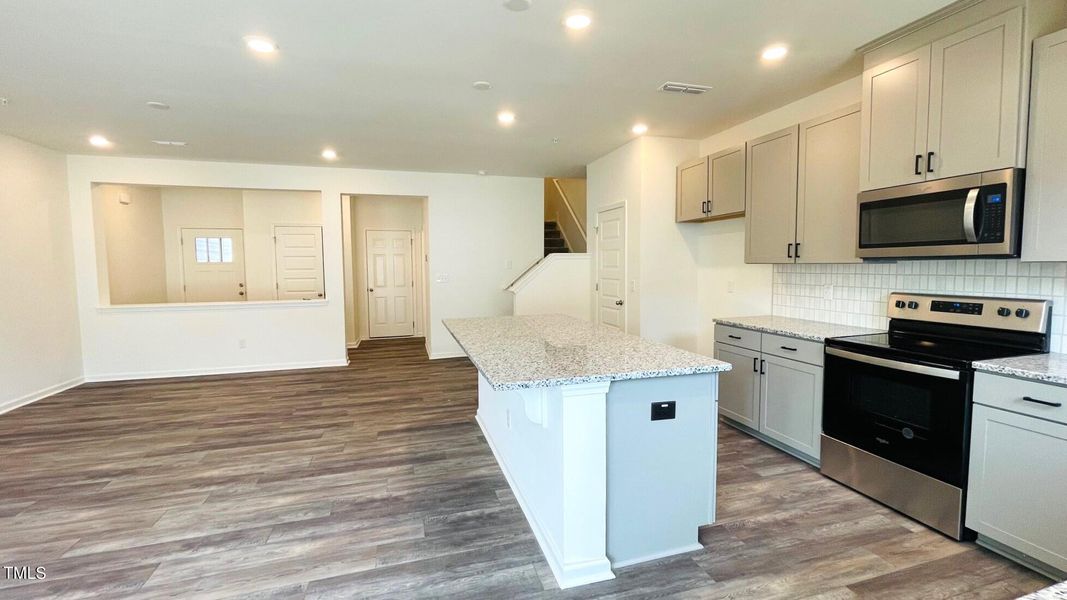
(373, 481)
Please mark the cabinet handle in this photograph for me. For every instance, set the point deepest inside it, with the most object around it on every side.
(755, 362)
(762, 367)
(704, 207)
(734, 337)
(929, 162)
(798, 250)
(918, 168)
(788, 348)
(1044, 402)
(789, 250)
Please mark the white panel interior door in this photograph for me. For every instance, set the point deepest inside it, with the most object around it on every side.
(390, 284)
(611, 268)
(213, 265)
(298, 263)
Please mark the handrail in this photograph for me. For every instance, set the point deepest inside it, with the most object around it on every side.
(567, 203)
(527, 270)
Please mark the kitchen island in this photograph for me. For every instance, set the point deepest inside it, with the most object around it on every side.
(607, 440)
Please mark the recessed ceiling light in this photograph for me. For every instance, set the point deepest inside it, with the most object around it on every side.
(578, 19)
(260, 44)
(505, 117)
(517, 5)
(329, 154)
(640, 129)
(775, 52)
(100, 141)
(481, 171)
(157, 105)
(482, 85)
(169, 142)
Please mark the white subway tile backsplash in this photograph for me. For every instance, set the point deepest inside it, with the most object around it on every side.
(856, 294)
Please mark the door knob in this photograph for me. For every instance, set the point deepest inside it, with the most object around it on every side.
(618, 303)
(240, 285)
(241, 293)
(370, 290)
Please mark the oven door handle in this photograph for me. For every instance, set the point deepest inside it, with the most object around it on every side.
(895, 364)
(968, 216)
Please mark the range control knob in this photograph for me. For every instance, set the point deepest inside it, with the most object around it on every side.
(1004, 311)
(1022, 313)
(900, 304)
(913, 305)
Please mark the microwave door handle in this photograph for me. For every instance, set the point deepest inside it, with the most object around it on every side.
(968, 216)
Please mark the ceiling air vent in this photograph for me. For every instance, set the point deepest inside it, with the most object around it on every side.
(684, 88)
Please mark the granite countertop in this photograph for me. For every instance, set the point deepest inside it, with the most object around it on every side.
(533, 351)
(1047, 368)
(816, 331)
(1055, 592)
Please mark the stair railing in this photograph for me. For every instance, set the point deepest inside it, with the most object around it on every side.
(575, 221)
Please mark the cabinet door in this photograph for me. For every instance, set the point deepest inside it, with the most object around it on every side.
(827, 185)
(1046, 179)
(739, 387)
(896, 105)
(1018, 482)
(692, 192)
(974, 98)
(791, 403)
(771, 207)
(727, 172)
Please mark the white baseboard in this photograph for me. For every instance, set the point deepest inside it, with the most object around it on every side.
(340, 362)
(354, 345)
(616, 564)
(52, 390)
(448, 354)
(567, 576)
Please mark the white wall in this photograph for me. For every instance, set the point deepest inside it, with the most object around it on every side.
(384, 212)
(477, 224)
(132, 236)
(560, 284)
(726, 285)
(194, 207)
(262, 210)
(40, 351)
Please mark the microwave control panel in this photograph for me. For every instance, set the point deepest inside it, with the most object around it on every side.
(992, 218)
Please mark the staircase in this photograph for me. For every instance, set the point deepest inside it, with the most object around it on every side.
(554, 242)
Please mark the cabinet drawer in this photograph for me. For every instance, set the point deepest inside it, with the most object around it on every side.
(796, 349)
(1007, 393)
(746, 338)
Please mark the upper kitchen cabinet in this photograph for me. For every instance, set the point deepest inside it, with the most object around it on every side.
(712, 187)
(827, 184)
(949, 108)
(771, 183)
(692, 191)
(1046, 177)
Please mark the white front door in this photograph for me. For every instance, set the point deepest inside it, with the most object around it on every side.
(213, 265)
(611, 268)
(298, 263)
(390, 284)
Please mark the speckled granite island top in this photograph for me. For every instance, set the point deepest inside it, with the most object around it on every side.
(816, 331)
(1055, 592)
(549, 350)
(1046, 368)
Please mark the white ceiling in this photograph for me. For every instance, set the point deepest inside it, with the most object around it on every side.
(388, 82)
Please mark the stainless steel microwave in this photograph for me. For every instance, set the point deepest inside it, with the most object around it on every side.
(970, 216)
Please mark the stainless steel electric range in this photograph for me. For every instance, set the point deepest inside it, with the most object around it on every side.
(897, 405)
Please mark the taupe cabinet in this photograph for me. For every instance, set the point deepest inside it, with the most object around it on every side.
(802, 186)
(948, 108)
(712, 187)
(774, 389)
(1018, 468)
(1046, 177)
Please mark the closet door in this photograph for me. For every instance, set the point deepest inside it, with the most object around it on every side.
(771, 211)
(975, 80)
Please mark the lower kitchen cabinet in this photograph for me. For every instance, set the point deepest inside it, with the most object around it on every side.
(1018, 472)
(791, 403)
(739, 388)
(775, 398)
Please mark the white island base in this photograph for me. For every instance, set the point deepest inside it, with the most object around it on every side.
(601, 483)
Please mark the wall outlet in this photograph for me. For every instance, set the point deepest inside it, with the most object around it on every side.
(730, 287)
(242, 343)
(828, 292)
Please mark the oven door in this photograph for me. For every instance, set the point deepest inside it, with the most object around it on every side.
(911, 414)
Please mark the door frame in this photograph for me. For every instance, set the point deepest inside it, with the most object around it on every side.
(181, 261)
(415, 291)
(274, 241)
(625, 263)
